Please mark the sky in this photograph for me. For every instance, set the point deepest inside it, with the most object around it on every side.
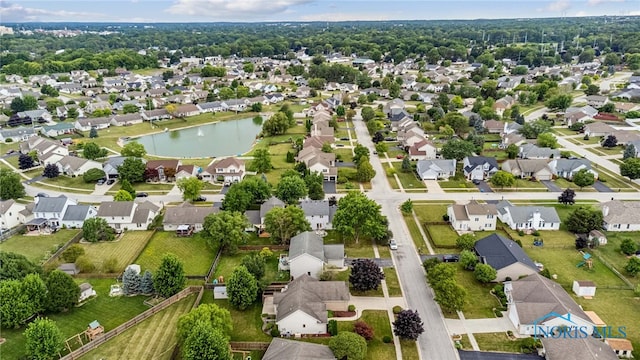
(301, 10)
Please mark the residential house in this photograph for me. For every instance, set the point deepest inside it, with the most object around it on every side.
(229, 170)
(44, 148)
(479, 167)
(57, 129)
(186, 171)
(436, 169)
(98, 105)
(166, 168)
(622, 348)
(528, 217)
(10, 215)
(624, 108)
(76, 166)
(494, 126)
(52, 209)
(621, 215)
(533, 151)
(85, 124)
(308, 255)
(128, 215)
(472, 216)
(75, 215)
(598, 129)
(325, 166)
(187, 110)
(111, 164)
(301, 307)
(536, 303)
(566, 168)
(127, 119)
(529, 169)
(422, 150)
(576, 117)
(318, 213)
(214, 106)
(186, 214)
(157, 114)
(506, 256)
(502, 104)
(36, 115)
(17, 134)
(625, 137)
(597, 100)
(283, 349)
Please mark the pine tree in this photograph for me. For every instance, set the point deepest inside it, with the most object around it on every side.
(629, 152)
(146, 284)
(93, 133)
(131, 282)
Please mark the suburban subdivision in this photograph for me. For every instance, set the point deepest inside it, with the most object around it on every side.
(302, 190)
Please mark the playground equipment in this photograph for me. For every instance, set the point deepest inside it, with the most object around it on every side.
(586, 260)
(538, 242)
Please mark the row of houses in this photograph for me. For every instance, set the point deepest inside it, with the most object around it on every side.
(475, 216)
(321, 133)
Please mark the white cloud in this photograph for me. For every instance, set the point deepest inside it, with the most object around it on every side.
(559, 5)
(596, 2)
(233, 9)
(361, 16)
(14, 12)
(581, 13)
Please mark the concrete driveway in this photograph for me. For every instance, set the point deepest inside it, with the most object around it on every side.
(551, 185)
(478, 326)
(600, 187)
(329, 187)
(484, 187)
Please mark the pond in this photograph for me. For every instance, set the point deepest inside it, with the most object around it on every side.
(224, 138)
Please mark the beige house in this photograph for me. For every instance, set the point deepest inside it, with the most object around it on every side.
(422, 150)
(506, 256)
(621, 216)
(186, 214)
(529, 168)
(128, 215)
(472, 216)
(229, 170)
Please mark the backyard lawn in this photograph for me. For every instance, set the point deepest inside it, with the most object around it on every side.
(124, 249)
(195, 254)
(154, 338)
(363, 249)
(442, 235)
(247, 324)
(612, 254)
(39, 247)
(109, 311)
(345, 155)
(229, 262)
(430, 213)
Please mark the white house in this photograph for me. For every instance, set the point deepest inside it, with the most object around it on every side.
(318, 213)
(584, 288)
(424, 149)
(479, 167)
(436, 169)
(308, 255)
(52, 209)
(75, 215)
(17, 134)
(228, 169)
(301, 307)
(528, 217)
(472, 216)
(128, 215)
(10, 216)
(621, 216)
(566, 168)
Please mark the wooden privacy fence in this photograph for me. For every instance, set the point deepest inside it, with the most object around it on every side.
(249, 346)
(76, 354)
(75, 239)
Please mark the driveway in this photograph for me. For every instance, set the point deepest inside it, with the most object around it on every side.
(380, 262)
(34, 179)
(224, 189)
(600, 187)
(483, 355)
(345, 164)
(329, 187)
(484, 187)
(551, 185)
(478, 326)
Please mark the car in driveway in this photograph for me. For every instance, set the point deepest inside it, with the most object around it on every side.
(450, 258)
(100, 182)
(200, 198)
(142, 194)
(110, 181)
(476, 182)
(393, 245)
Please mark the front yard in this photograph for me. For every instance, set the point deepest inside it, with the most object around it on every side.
(409, 180)
(194, 252)
(38, 248)
(63, 181)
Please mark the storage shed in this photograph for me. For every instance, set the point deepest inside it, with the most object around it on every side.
(584, 288)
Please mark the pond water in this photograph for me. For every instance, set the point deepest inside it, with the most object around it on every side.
(225, 138)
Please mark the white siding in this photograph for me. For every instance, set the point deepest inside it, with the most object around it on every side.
(301, 323)
(305, 264)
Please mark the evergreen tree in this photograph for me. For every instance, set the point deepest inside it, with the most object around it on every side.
(146, 284)
(629, 152)
(93, 133)
(131, 282)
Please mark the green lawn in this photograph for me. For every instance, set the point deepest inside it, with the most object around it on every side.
(455, 184)
(194, 252)
(154, 338)
(430, 213)
(442, 235)
(564, 184)
(480, 302)
(409, 349)
(229, 262)
(124, 249)
(144, 186)
(39, 247)
(109, 311)
(612, 254)
(344, 276)
(379, 321)
(393, 285)
(247, 324)
(416, 236)
(345, 155)
(615, 181)
(279, 162)
(69, 182)
(409, 180)
(363, 249)
(498, 342)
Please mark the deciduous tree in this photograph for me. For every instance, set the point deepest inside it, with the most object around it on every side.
(631, 168)
(468, 259)
(25, 162)
(457, 149)
(633, 266)
(583, 178)
(503, 179)
(43, 340)
(363, 329)
(62, 291)
(291, 189)
(628, 246)
(122, 195)
(484, 273)
(547, 140)
(97, 229)
(191, 187)
(348, 345)
(216, 316)
(285, 223)
(255, 264)
(583, 220)
(51, 171)
(365, 275)
(315, 185)
(226, 230)
(132, 170)
(466, 242)
(408, 325)
(359, 216)
(450, 296)
(93, 151)
(10, 185)
(133, 149)
(15, 306)
(261, 161)
(365, 171)
(206, 342)
(93, 175)
(242, 288)
(169, 278)
(567, 197)
(610, 141)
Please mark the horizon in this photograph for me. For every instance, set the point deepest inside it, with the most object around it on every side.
(302, 11)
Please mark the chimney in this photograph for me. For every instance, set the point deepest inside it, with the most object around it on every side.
(605, 210)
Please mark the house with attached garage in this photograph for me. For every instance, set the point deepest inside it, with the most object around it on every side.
(423, 149)
(529, 168)
(157, 114)
(186, 171)
(128, 215)
(57, 129)
(301, 307)
(111, 164)
(283, 349)
(504, 255)
(479, 167)
(127, 119)
(85, 124)
(318, 213)
(598, 129)
(166, 169)
(256, 217)
(528, 217)
(532, 151)
(435, 169)
(36, 115)
(10, 215)
(52, 209)
(17, 134)
(472, 216)
(566, 168)
(229, 170)
(75, 215)
(76, 166)
(186, 214)
(621, 215)
(308, 255)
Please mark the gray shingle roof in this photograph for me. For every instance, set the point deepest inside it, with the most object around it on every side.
(308, 295)
(307, 242)
(187, 214)
(533, 151)
(116, 208)
(588, 348)
(50, 204)
(333, 252)
(282, 349)
(500, 252)
(569, 165)
(315, 207)
(475, 161)
(253, 216)
(270, 204)
(76, 212)
(618, 212)
(522, 214)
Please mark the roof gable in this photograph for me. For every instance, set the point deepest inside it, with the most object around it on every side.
(500, 252)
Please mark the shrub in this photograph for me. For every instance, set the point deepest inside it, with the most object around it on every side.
(519, 242)
(332, 327)
(110, 265)
(327, 275)
(275, 332)
(85, 265)
(387, 339)
(352, 308)
(498, 312)
(545, 272)
(397, 309)
(72, 253)
(445, 217)
(8, 140)
(535, 233)
(363, 329)
(520, 233)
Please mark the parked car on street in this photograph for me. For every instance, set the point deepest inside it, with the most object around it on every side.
(201, 198)
(393, 245)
